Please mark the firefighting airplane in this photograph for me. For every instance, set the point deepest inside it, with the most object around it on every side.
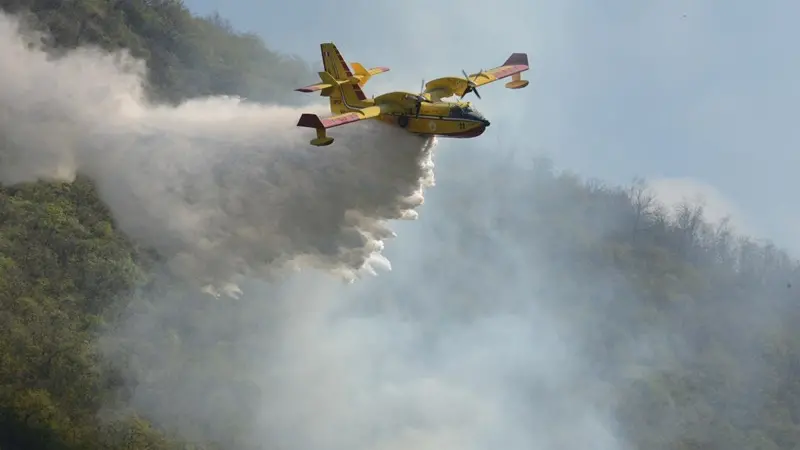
(423, 114)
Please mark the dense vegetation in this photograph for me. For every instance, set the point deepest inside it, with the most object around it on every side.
(187, 56)
(730, 381)
(62, 264)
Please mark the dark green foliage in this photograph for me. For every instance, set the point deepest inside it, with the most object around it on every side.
(63, 265)
(187, 56)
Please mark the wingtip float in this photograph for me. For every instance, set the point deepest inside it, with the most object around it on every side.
(424, 114)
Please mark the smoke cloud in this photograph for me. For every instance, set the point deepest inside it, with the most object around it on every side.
(221, 187)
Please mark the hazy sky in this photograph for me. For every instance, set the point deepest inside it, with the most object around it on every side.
(699, 95)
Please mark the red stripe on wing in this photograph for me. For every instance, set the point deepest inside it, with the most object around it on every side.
(502, 72)
(335, 121)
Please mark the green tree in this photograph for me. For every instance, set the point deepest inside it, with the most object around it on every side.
(64, 268)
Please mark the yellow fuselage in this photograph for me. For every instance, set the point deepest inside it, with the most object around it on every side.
(444, 119)
(435, 123)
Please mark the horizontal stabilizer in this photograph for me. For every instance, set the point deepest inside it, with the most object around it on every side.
(361, 71)
(363, 75)
(377, 70)
(328, 81)
(314, 87)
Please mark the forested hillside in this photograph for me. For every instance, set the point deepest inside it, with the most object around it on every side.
(187, 56)
(727, 377)
(62, 264)
(691, 326)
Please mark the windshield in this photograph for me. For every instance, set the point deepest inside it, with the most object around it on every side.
(469, 111)
(465, 111)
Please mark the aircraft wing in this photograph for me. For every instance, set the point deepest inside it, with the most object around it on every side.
(512, 67)
(314, 121)
(516, 63)
(320, 125)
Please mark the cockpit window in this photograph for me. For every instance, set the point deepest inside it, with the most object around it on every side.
(464, 112)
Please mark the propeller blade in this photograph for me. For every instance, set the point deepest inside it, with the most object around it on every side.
(471, 86)
(419, 98)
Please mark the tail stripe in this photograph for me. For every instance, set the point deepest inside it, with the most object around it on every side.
(344, 64)
(359, 93)
(333, 70)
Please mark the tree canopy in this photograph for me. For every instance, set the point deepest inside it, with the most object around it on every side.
(65, 269)
(187, 56)
(63, 265)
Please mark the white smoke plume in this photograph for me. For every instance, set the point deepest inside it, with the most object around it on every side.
(221, 187)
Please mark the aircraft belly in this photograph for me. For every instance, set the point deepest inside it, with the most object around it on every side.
(433, 126)
(421, 126)
(425, 126)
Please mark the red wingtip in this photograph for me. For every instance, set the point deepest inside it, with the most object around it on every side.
(310, 121)
(517, 59)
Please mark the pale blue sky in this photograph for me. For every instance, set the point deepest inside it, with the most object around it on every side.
(700, 93)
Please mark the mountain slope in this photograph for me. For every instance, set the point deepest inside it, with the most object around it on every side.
(62, 263)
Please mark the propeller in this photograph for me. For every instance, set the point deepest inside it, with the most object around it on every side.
(471, 86)
(419, 98)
